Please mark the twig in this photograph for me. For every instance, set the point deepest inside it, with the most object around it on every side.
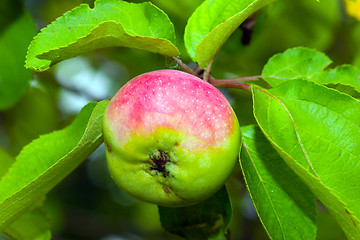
(242, 79)
(228, 83)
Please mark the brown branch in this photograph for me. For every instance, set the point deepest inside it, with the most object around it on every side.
(242, 79)
(228, 83)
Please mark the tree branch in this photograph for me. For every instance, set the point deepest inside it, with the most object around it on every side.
(229, 83)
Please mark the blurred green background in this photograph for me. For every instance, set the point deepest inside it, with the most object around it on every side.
(87, 204)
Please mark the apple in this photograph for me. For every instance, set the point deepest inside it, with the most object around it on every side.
(171, 138)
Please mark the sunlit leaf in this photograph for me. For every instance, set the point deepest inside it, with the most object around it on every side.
(345, 75)
(206, 220)
(317, 132)
(14, 78)
(110, 23)
(294, 63)
(47, 160)
(285, 205)
(212, 23)
(309, 64)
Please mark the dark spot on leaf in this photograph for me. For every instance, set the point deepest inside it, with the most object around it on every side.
(69, 28)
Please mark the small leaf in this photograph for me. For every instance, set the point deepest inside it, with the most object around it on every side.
(309, 64)
(212, 23)
(33, 225)
(110, 23)
(14, 78)
(346, 75)
(47, 160)
(294, 63)
(285, 205)
(316, 130)
(206, 220)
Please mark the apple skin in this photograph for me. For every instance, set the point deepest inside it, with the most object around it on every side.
(171, 138)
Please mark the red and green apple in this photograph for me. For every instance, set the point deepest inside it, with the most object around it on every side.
(171, 138)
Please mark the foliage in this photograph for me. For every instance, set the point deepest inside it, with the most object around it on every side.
(206, 220)
(14, 77)
(276, 190)
(298, 155)
(45, 162)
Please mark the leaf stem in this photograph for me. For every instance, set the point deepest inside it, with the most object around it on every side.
(207, 71)
(184, 66)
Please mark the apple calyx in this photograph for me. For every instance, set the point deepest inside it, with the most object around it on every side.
(160, 159)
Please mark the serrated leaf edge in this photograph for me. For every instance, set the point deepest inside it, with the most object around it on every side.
(87, 8)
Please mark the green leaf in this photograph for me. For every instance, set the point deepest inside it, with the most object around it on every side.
(5, 161)
(14, 78)
(36, 113)
(47, 160)
(317, 132)
(345, 75)
(33, 225)
(285, 205)
(206, 220)
(212, 23)
(110, 23)
(309, 64)
(294, 63)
